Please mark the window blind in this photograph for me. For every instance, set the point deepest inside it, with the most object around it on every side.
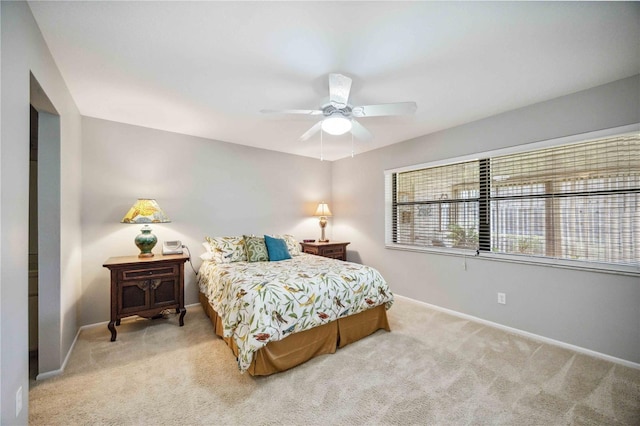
(437, 206)
(578, 201)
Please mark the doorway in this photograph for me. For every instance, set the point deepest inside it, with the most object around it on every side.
(44, 236)
(33, 243)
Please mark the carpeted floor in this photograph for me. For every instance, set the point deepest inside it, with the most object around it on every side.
(432, 369)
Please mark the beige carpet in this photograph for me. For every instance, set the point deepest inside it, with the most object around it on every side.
(432, 369)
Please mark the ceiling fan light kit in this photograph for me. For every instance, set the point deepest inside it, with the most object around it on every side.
(340, 114)
(336, 125)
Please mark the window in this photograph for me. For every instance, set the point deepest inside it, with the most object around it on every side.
(573, 202)
(438, 206)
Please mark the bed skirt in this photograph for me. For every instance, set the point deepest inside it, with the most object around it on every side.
(300, 347)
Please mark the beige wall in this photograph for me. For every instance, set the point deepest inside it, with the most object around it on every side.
(206, 187)
(24, 52)
(596, 311)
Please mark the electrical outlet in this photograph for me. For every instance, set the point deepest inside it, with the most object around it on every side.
(502, 298)
(18, 401)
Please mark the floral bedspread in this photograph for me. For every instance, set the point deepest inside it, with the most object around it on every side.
(261, 302)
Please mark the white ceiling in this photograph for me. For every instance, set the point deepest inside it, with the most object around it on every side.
(208, 68)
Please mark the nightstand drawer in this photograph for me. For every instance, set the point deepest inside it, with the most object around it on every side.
(137, 274)
(333, 250)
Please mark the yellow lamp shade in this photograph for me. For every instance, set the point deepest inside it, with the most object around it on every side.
(145, 211)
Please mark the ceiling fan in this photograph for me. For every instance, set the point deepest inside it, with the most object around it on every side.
(339, 115)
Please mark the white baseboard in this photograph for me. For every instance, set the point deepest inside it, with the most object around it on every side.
(49, 374)
(533, 336)
(537, 337)
(53, 373)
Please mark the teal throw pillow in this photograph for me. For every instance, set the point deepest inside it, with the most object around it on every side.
(256, 249)
(277, 248)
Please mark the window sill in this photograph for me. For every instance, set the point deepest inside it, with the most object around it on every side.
(554, 263)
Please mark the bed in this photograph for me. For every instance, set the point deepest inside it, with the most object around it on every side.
(275, 315)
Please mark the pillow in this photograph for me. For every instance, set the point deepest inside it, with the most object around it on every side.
(292, 244)
(256, 249)
(208, 254)
(277, 248)
(227, 249)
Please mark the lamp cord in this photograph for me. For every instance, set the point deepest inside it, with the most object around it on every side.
(189, 252)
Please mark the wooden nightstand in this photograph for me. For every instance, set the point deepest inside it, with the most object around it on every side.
(330, 249)
(145, 286)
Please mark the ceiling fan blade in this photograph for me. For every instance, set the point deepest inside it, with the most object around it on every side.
(339, 88)
(398, 108)
(292, 111)
(312, 131)
(360, 132)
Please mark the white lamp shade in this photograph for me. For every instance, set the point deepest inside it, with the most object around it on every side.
(323, 210)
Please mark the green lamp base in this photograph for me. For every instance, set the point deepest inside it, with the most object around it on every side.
(146, 241)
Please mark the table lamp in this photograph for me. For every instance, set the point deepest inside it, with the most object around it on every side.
(145, 211)
(323, 211)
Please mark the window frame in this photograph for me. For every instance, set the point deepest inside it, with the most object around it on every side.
(583, 265)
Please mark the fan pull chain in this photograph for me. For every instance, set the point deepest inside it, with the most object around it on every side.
(321, 155)
(351, 144)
